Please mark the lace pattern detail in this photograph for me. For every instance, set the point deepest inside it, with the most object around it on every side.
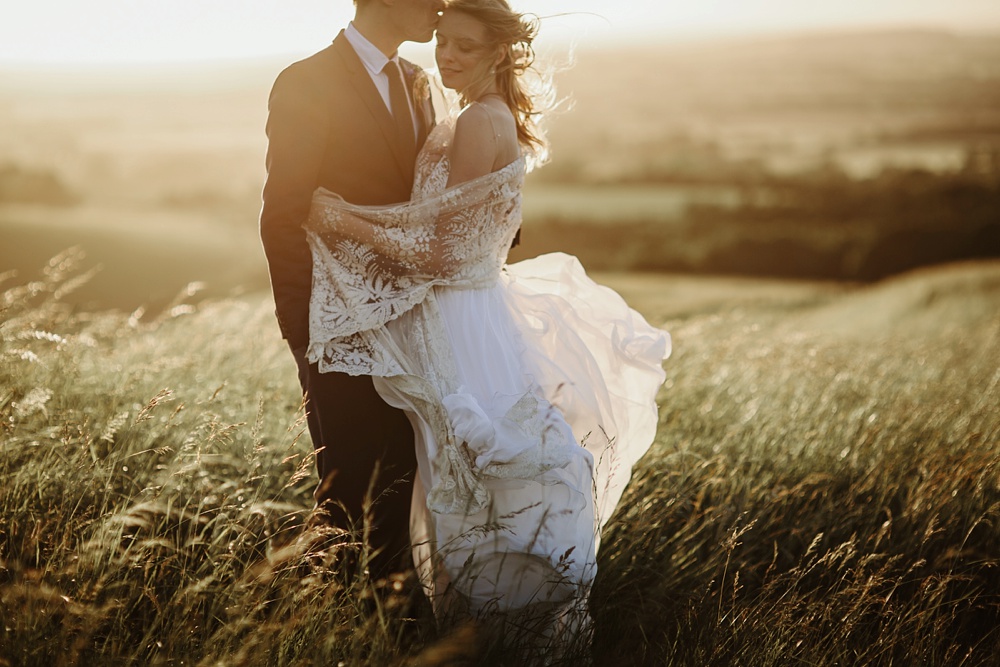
(433, 168)
(375, 265)
(371, 264)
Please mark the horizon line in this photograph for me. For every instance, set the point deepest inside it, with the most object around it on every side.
(617, 42)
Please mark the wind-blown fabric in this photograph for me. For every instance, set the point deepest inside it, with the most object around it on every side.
(530, 387)
(373, 264)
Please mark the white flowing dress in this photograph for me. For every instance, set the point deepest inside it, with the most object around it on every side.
(531, 389)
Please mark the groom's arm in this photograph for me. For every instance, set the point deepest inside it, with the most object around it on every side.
(296, 133)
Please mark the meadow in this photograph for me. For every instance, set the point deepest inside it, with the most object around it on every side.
(816, 220)
(824, 487)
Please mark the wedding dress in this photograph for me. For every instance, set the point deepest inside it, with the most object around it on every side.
(530, 388)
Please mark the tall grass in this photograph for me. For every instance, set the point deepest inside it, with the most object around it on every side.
(822, 491)
(826, 498)
(152, 481)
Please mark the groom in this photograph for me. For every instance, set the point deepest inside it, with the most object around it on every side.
(351, 119)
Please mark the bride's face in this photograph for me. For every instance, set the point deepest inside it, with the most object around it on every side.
(464, 56)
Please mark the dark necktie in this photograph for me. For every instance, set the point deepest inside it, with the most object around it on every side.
(400, 107)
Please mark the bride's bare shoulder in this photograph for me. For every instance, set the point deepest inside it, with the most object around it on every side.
(474, 122)
(479, 142)
(485, 134)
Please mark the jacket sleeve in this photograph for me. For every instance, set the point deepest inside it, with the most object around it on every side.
(297, 130)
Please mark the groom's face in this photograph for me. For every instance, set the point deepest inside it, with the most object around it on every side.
(416, 19)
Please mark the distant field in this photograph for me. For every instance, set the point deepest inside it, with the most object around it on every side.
(613, 204)
(862, 101)
(849, 156)
(143, 257)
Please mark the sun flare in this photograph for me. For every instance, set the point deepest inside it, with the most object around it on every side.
(120, 31)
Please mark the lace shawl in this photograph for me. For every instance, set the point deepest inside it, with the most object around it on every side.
(373, 263)
(376, 264)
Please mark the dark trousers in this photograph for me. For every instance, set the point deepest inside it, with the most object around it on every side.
(365, 459)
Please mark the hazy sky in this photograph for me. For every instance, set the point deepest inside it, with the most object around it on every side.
(59, 31)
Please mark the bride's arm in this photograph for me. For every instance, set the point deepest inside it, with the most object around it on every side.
(473, 150)
(481, 145)
(419, 248)
(473, 154)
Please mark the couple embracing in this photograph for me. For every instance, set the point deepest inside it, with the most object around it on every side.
(480, 418)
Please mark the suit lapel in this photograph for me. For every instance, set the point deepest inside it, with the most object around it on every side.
(369, 94)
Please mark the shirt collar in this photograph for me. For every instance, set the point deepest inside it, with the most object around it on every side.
(372, 58)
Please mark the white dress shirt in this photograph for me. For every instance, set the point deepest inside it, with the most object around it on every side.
(375, 61)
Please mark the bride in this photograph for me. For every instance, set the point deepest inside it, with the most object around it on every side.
(529, 387)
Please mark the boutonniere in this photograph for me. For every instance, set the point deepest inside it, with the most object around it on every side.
(421, 88)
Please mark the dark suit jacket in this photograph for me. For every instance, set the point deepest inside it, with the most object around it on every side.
(327, 127)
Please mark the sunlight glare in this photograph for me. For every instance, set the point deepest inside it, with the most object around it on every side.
(69, 31)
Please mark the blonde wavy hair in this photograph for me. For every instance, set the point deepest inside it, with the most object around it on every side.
(528, 101)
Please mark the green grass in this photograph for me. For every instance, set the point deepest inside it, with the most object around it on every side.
(824, 488)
